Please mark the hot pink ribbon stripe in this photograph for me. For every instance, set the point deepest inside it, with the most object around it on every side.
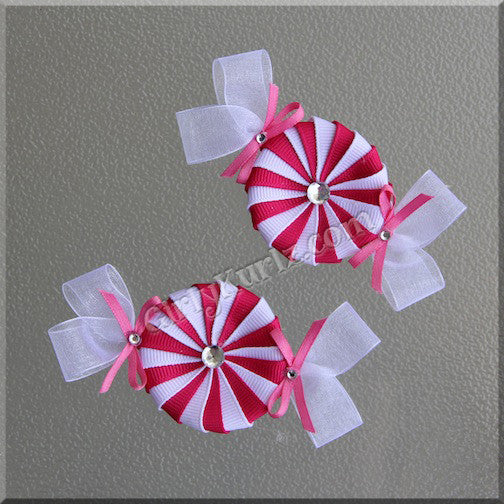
(130, 351)
(378, 246)
(287, 385)
(273, 125)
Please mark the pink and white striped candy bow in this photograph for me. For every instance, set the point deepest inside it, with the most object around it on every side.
(331, 347)
(402, 270)
(104, 331)
(244, 117)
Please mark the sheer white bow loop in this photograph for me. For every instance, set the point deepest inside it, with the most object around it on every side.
(105, 332)
(331, 347)
(244, 117)
(402, 270)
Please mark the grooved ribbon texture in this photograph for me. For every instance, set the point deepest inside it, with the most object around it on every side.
(317, 151)
(232, 395)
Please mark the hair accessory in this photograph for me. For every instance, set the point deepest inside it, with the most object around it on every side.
(318, 191)
(213, 356)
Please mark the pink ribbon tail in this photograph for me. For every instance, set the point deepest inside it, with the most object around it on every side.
(301, 405)
(243, 163)
(378, 246)
(130, 351)
(369, 249)
(111, 374)
(288, 385)
(283, 391)
(273, 125)
(377, 273)
(407, 210)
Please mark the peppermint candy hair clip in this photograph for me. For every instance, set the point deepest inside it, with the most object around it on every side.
(213, 356)
(318, 191)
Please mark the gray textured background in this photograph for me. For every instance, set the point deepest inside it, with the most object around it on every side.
(96, 174)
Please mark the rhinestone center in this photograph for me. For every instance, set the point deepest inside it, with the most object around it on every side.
(291, 374)
(385, 235)
(261, 138)
(318, 192)
(212, 356)
(134, 338)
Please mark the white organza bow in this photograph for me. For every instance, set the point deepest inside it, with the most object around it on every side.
(402, 270)
(244, 117)
(98, 336)
(331, 347)
(242, 83)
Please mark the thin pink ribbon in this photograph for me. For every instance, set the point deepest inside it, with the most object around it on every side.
(130, 351)
(294, 383)
(378, 246)
(273, 125)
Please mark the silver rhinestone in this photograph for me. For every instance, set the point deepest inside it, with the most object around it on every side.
(134, 338)
(318, 192)
(212, 356)
(261, 138)
(291, 374)
(385, 235)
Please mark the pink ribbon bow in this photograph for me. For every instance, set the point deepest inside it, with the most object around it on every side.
(273, 126)
(378, 246)
(293, 380)
(133, 340)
